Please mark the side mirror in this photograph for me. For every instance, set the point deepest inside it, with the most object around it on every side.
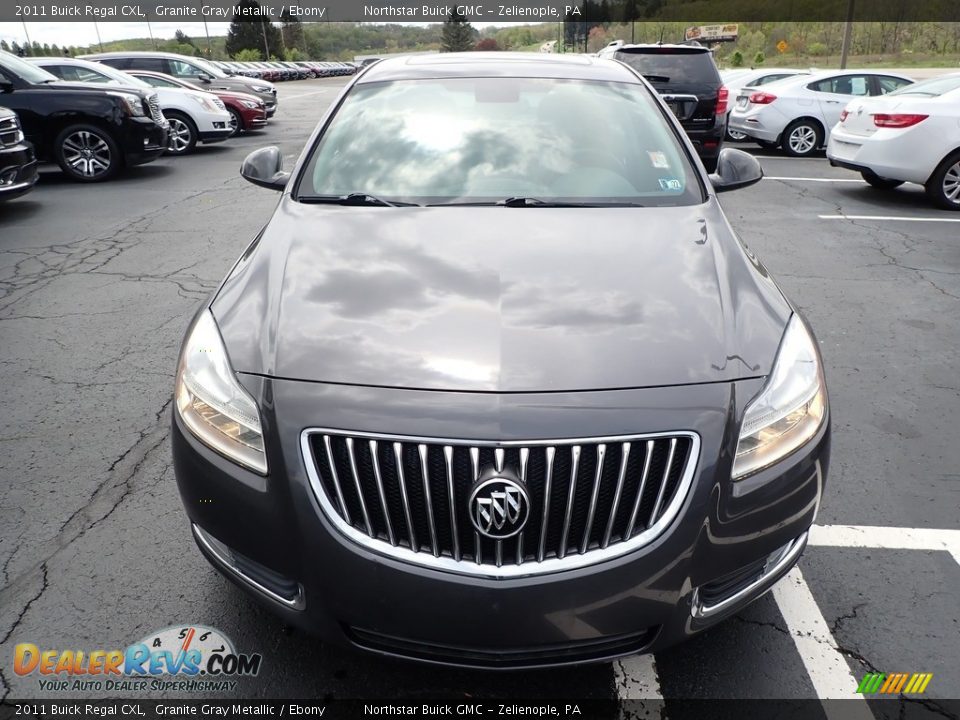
(735, 169)
(264, 167)
(5, 85)
(203, 77)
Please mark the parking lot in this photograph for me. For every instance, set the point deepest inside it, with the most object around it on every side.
(98, 283)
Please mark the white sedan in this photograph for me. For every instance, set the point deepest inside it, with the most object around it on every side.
(735, 80)
(797, 113)
(194, 116)
(912, 135)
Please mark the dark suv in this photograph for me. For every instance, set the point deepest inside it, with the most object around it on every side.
(90, 131)
(688, 80)
(18, 165)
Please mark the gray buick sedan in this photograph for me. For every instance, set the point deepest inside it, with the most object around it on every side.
(498, 385)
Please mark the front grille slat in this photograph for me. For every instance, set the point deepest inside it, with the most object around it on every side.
(643, 486)
(356, 481)
(398, 459)
(571, 496)
(621, 477)
(375, 460)
(547, 489)
(601, 455)
(583, 500)
(663, 484)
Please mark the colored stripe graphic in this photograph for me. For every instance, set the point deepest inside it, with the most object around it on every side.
(894, 683)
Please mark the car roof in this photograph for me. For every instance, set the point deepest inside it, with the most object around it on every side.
(502, 64)
(141, 53)
(65, 60)
(660, 47)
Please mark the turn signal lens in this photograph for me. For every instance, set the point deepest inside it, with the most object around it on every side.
(722, 96)
(843, 115)
(897, 120)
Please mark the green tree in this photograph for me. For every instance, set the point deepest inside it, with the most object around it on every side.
(458, 33)
(249, 32)
(291, 30)
(183, 39)
(759, 58)
(4, 46)
(736, 60)
(248, 55)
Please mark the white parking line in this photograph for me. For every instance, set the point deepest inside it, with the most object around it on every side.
(888, 538)
(636, 678)
(887, 218)
(827, 668)
(810, 179)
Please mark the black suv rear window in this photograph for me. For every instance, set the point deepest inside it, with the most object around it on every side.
(671, 66)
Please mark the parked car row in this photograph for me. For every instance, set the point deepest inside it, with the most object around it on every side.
(289, 70)
(881, 124)
(93, 119)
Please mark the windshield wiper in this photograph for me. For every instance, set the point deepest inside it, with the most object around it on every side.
(356, 198)
(515, 202)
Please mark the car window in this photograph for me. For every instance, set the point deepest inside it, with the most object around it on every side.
(181, 69)
(888, 84)
(13, 67)
(772, 78)
(72, 73)
(686, 67)
(157, 82)
(142, 63)
(933, 87)
(488, 139)
(843, 85)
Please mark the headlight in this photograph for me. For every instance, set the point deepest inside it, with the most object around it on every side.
(206, 103)
(260, 88)
(252, 104)
(211, 402)
(789, 410)
(132, 103)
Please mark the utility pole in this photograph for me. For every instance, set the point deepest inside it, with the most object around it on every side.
(847, 33)
(99, 41)
(266, 45)
(206, 31)
(150, 30)
(25, 32)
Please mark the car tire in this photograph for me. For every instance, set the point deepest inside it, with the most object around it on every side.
(736, 135)
(943, 187)
(182, 137)
(87, 153)
(881, 183)
(236, 122)
(802, 138)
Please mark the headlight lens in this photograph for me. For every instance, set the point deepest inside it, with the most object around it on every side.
(212, 403)
(206, 103)
(261, 88)
(132, 103)
(789, 410)
(250, 104)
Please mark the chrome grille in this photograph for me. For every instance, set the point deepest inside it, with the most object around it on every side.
(589, 499)
(154, 106)
(10, 133)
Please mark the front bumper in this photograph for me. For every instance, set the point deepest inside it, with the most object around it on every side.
(270, 531)
(142, 140)
(18, 171)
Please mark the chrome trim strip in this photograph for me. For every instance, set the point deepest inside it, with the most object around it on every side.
(547, 489)
(380, 491)
(425, 477)
(551, 565)
(356, 482)
(451, 500)
(524, 459)
(770, 576)
(336, 479)
(598, 476)
(475, 466)
(207, 541)
(571, 494)
(663, 483)
(402, 482)
(621, 478)
(643, 486)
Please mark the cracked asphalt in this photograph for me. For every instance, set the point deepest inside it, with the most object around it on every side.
(97, 284)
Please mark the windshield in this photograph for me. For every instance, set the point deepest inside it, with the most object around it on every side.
(16, 67)
(207, 67)
(117, 75)
(930, 88)
(489, 139)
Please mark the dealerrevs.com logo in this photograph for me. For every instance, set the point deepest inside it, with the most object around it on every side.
(189, 658)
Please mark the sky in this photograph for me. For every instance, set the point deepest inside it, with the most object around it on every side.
(82, 34)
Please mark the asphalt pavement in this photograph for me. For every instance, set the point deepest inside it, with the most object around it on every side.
(98, 282)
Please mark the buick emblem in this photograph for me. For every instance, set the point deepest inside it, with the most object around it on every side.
(499, 507)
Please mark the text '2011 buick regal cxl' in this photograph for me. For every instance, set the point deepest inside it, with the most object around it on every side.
(498, 385)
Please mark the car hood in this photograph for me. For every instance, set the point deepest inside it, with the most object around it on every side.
(500, 299)
(98, 88)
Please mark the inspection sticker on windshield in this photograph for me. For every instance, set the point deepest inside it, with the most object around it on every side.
(670, 184)
(658, 159)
